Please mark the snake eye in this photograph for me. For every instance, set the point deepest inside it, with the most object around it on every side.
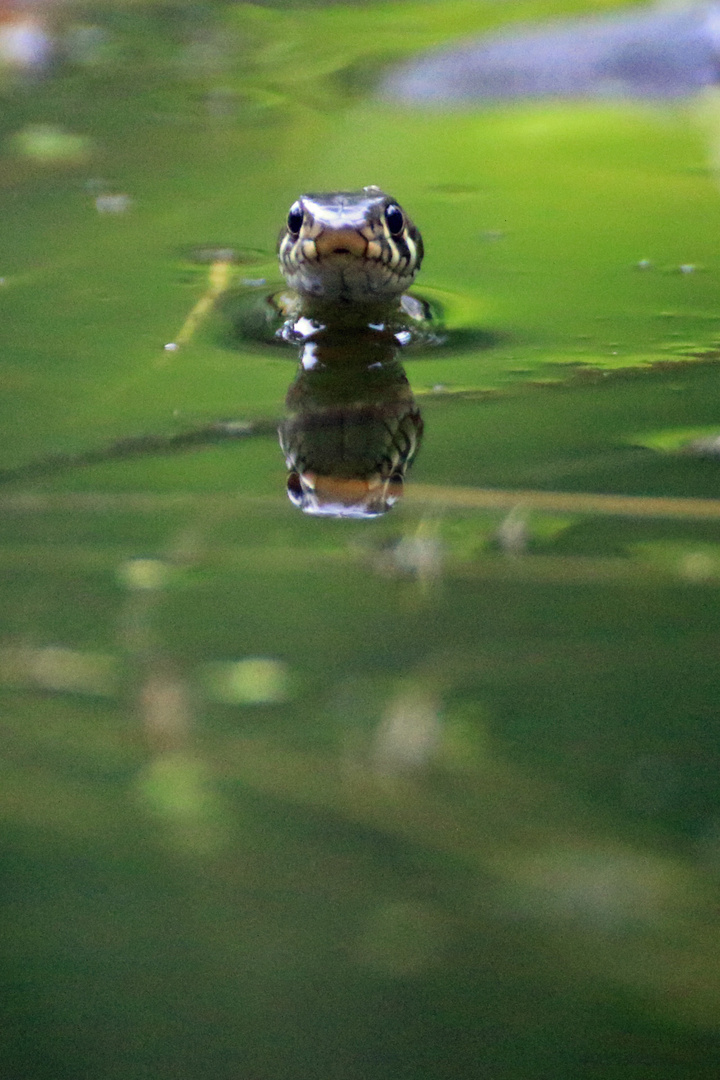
(295, 219)
(394, 219)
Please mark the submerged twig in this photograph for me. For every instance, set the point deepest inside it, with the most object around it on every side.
(218, 281)
(566, 502)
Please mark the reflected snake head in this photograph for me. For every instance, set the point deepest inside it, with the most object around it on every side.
(347, 497)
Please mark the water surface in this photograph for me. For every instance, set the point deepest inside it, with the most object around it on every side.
(432, 795)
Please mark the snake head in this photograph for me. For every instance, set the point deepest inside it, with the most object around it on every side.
(349, 246)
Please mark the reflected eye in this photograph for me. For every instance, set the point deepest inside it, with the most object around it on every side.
(395, 219)
(295, 219)
(295, 489)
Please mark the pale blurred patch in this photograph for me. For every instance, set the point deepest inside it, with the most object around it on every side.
(420, 554)
(165, 708)
(24, 43)
(697, 564)
(177, 789)
(612, 889)
(59, 669)
(144, 574)
(513, 532)
(409, 733)
(112, 204)
(49, 144)
(252, 681)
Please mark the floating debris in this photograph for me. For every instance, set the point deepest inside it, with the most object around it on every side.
(235, 428)
(112, 204)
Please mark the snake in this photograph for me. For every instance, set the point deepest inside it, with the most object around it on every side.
(352, 427)
(349, 248)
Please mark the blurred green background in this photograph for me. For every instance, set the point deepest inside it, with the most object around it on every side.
(430, 796)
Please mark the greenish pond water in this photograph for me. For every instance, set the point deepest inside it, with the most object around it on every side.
(434, 795)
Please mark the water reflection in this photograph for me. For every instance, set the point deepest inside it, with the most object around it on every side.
(352, 426)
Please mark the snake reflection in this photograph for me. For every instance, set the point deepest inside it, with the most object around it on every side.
(352, 427)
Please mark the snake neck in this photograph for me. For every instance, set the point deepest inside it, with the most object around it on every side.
(356, 333)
